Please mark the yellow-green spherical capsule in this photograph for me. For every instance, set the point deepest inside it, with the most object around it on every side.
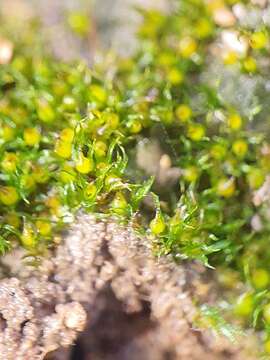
(40, 174)
(135, 126)
(235, 121)
(230, 58)
(259, 40)
(54, 205)
(112, 120)
(191, 174)
(183, 113)
(166, 59)
(27, 182)
(250, 65)
(119, 204)
(31, 136)
(63, 149)
(45, 111)
(266, 313)
(196, 132)
(175, 76)
(226, 187)
(69, 103)
(166, 116)
(267, 346)
(60, 88)
(218, 151)
(44, 227)
(98, 93)
(157, 225)
(255, 178)
(8, 195)
(79, 23)
(8, 133)
(13, 219)
(100, 149)
(187, 47)
(53, 202)
(84, 165)
(240, 148)
(28, 236)
(67, 174)
(244, 305)
(19, 116)
(203, 28)
(90, 190)
(67, 135)
(9, 162)
(260, 278)
(102, 165)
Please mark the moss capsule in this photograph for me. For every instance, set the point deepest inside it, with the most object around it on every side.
(9, 162)
(244, 305)
(218, 151)
(196, 132)
(135, 126)
(28, 236)
(13, 219)
(31, 136)
(83, 164)
(175, 76)
(100, 149)
(90, 191)
(119, 204)
(260, 278)
(157, 225)
(250, 65)
(8, 132)
(40, 174)
(69, 104)
(79, 23)
(67, 135)
(44, 227)
(240, 148)
(45, 111)
(259, 40)
(8, 195)
(111, 119)
(267, 346)
(191, 173)
(226, 187)
(255, 178)
(266, 313)
(63, 149)
(27, 182)
(235, 121)
(183, 113)
(187, 47)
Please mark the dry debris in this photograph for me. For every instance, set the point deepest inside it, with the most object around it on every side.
(107, 271)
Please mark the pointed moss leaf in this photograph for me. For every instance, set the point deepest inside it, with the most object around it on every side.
(141, 192)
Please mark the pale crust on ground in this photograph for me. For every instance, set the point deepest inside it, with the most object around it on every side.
(43, 310)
